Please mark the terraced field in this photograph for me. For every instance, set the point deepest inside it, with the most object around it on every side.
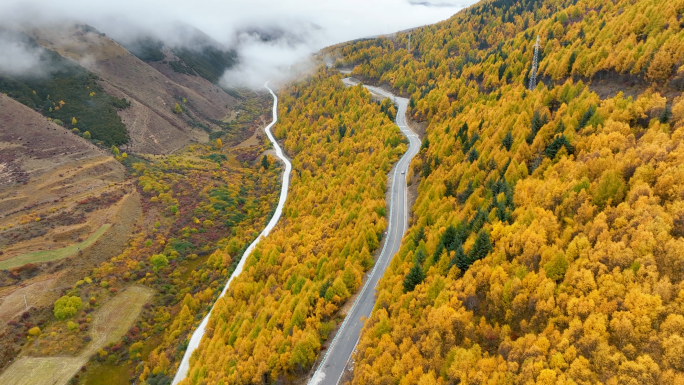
(53, 255)
(109, 324)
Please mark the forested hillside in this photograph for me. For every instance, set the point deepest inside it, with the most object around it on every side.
(270, 324)
(546, 241)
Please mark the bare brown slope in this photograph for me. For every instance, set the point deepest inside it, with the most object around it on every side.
(45, 171)
(151, 122)
(221, 104)
(31, 145)
(56, 189)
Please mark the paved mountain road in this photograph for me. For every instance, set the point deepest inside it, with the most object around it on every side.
(335, 360)
(199, 332)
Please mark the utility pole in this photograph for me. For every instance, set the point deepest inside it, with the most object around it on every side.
(533, 74)
(25, 303)
(409, 46)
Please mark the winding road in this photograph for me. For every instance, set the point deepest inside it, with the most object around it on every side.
(199, 332)
(335, 360)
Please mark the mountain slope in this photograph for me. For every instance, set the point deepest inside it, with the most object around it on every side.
(61, 90)
(546, 240)
(32, 145)
(121, 100)
(152, 124)
(55, 188)
(197, 54)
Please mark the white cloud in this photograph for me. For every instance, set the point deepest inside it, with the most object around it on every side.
(18, 58)
(261, 61)
(308, 25)
(441, 3)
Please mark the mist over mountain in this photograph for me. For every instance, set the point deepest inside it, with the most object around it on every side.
(266, 38)
(440, 3)
(21, 56)
(298, 34)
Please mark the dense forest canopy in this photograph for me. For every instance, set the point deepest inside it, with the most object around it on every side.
(270, 325)
(547, 230)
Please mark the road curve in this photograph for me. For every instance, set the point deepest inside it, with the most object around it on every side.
(332, 366)
(199, 332)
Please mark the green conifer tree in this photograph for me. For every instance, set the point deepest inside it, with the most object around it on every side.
(481, 248)
(420, 235)
(460, 259)
(414, 278)
(507, 141)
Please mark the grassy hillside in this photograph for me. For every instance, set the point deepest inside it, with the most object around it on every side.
(202, 208)
(56, 189)
(151, 90)
(545, 245)
(68, 91)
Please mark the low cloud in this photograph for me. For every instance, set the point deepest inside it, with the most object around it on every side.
(441, 3)
(88, 62)
(272, 54)
(18, 57)
(269, 36)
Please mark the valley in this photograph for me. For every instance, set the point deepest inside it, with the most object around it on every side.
(199, 333)
(494, 198)
(194, 218)
(87, 212)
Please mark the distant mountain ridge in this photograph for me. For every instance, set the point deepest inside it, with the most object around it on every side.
(121, 100)
(199, 54)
